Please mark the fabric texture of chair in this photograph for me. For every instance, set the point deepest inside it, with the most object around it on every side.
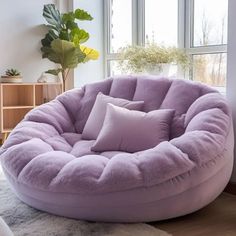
(52, 168)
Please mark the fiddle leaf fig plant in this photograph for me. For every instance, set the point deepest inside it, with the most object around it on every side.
(62, 43)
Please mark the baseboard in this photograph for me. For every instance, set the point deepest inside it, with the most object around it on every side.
(231, 188)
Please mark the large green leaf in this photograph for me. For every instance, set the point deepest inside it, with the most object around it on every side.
(52, 27)
(64, 35)
(51, 55)
(54, 72)
(82, 15)
(71, 25)
(52, 15)
(68, 17)
(65, 53)
(49, 37)
(68, 20)
(46, 51)
(79, 36)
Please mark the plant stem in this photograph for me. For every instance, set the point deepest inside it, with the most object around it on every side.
(63, 80)
(68, 70)
(65, 73)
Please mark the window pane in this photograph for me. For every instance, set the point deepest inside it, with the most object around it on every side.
(210, 22)
(161, 22)
(121, 24)
(210, 69)
(114, 68)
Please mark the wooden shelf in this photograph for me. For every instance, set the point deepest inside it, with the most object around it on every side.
(17, 107)
(46, 92)
(17, 99)
(12, 117)
(15, 95)
(6, 130)
(23, 84)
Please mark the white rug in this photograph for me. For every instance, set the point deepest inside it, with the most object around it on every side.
(26, 221)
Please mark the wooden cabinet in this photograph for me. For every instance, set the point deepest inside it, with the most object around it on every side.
(18, 99)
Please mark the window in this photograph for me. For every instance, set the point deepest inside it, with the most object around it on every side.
(155, 14)
(210, 68)
(189, 24)
(207, 35)
(114, 68)
(210, 26)
(120, 24)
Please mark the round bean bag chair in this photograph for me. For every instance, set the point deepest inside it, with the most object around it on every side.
(52, 168)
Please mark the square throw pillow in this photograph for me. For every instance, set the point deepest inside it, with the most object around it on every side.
(98, 112)
(133, 131)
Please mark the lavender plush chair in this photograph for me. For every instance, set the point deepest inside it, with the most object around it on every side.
(52, 169)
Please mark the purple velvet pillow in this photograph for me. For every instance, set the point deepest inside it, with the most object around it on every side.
(133, 131)
(97, 115)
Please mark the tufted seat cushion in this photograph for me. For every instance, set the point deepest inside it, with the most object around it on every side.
(52, 168)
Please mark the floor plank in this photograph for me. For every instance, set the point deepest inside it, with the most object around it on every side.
(217, 219)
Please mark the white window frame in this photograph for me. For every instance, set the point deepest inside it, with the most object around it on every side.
(189, 39)
(137, 29)
(185, 31)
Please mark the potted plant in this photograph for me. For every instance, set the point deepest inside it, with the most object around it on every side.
(12, 76)
(151, 59)
(63, 42)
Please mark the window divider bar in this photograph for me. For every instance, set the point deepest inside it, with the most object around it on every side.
(106, 30)
(134, 22)
(181, 23)
(141, 22)
(107, 24)
(188, 23)
(211, 49)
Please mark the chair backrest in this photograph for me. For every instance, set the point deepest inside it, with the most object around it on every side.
(156, 92)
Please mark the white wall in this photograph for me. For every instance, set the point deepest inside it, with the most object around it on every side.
(21, 33)
(92, 70)
(231, 72)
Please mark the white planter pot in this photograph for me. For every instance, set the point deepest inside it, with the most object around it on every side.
(11, 79)
(160, 70)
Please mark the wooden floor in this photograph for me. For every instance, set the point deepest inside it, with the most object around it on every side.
(217, 219)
